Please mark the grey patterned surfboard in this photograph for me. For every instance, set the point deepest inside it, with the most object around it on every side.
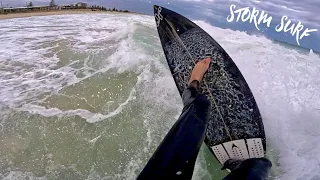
(235, 129)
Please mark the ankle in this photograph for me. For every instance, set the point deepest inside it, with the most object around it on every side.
(195, 84)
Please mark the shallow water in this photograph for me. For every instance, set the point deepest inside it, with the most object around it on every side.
(90, 97)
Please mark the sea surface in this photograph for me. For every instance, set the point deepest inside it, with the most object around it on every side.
(90, 96)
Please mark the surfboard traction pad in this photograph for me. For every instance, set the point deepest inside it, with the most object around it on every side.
(234, 112)
(239, 149)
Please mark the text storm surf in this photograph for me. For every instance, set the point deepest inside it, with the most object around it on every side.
(254, 15)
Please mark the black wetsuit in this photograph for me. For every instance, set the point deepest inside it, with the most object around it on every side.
(176, 155)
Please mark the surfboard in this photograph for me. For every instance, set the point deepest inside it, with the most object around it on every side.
(235, 129)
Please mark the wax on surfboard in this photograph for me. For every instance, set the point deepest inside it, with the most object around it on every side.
(235, 129)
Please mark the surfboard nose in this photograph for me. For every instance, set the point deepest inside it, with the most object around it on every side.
(155, 8)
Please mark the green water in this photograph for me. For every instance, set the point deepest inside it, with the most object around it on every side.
(72, 148)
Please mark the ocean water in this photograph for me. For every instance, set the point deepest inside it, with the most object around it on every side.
(90, 97)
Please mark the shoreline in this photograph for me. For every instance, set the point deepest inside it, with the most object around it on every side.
(58, 12)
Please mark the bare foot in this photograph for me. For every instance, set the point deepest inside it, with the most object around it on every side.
(198, 71)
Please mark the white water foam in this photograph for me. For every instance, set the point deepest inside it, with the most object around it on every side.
(286, 86)
(31, 73)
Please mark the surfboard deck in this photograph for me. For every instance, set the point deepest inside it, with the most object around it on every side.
(235, 127)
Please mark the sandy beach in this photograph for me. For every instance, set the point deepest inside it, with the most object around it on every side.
(47, 13)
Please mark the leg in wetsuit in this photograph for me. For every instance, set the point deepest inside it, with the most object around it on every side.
(176, 155)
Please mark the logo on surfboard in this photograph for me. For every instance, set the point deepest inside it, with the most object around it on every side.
(158, 16)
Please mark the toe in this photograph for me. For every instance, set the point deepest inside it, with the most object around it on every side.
(207, 60)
